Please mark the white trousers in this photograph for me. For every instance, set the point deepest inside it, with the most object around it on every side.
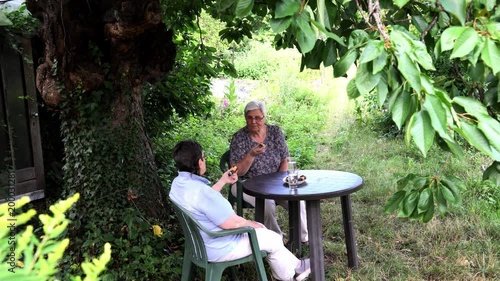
(270, 220)
(280, 259)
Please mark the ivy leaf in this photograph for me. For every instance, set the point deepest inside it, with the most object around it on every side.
(465, 43)
(281, 24)
(491, 55)
(344, 63)
(243, 8)
(456, 8)
(286, 8)
(422, 132)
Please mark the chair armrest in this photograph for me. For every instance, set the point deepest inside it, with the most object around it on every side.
(225, 232)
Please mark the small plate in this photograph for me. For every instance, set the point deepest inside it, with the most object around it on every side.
(298, 182)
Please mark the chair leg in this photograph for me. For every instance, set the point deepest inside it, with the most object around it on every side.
(213, 273)
(187, 270)
(234, 276)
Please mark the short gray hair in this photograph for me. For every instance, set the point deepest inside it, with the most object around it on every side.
(253, 105)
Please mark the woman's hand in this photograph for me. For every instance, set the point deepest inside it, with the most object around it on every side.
(258, 149)
(230, 179)
(225, 179)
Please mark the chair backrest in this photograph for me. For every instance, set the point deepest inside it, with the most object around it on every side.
(194, 245)
(224, 162)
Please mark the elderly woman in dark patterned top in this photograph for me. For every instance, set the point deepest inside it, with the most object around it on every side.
(260, 148)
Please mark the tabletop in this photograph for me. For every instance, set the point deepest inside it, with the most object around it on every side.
(319, 184)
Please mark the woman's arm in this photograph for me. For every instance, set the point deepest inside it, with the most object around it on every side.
(225, 179)
(236, 221)
(245, 163)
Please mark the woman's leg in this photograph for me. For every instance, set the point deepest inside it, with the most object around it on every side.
(282, 262)
(270, 220)
(304, 234)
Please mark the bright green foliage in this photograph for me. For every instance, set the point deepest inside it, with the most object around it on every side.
(4, 20)
(29, 257)
(418, 196)
(398, 48)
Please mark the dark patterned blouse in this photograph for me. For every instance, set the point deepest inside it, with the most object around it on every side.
(266, 163)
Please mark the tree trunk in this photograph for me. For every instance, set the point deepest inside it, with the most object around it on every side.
(97, 56)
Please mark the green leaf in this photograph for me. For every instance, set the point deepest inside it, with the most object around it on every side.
(401, 3)
(453, 187)
(419, 22)
(285, 8)
(491, 129)
(224, 4)
(465, 43)
(491, 55)
(382, 90)
(410, 203)
(456, 8)
(243, 8)
(422, 131)
(421, 55)
(365, 80)
(380, 62)
(409, 71)
(329, 53)
(438, 115)
(430, 212)
(352, 90)
(344, 63)
(280, 25)
(401, 108)
(441, 202)
(492, 173)
(425, 200)
(475, 137)
(393, 202)
(447, 194)
(4, 21)
(372, 51)
(306, 38)
(328, 34)
(449, 37)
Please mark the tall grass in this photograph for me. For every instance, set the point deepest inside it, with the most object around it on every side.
(323, 132)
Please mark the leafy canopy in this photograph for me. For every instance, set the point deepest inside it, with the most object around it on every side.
(434, 65)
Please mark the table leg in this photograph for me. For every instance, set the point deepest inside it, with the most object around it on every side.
(350, 241)
(315, 240)
(259, 210)
(294, 227)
